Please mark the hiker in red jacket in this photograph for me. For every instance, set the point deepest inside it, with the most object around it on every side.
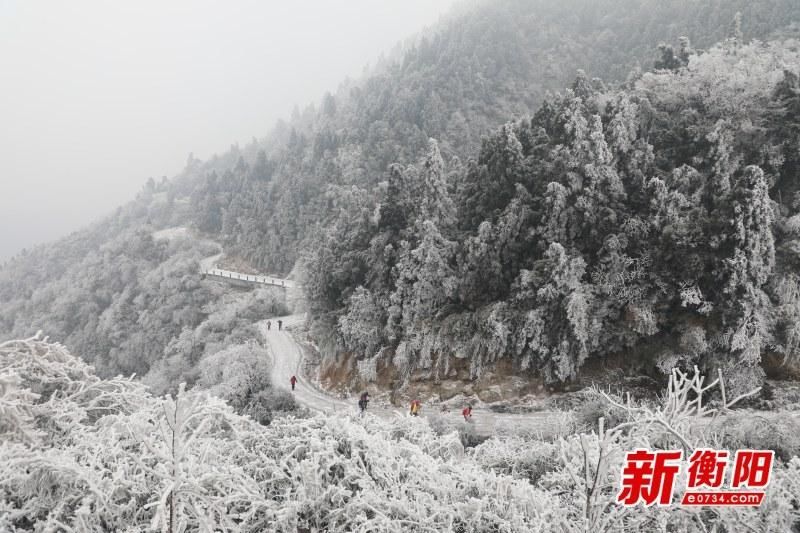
(415, 407)
(293, 380)
(467, 412)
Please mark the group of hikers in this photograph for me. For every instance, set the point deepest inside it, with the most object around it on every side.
(363, 400)
(416, 407)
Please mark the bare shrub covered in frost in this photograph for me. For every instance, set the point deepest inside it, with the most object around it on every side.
(236, 373)
(189, 463)
(83, 454)
(591, 465)
(517, 457)
(240, 376)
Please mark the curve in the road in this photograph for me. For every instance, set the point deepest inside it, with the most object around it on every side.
(287, 358)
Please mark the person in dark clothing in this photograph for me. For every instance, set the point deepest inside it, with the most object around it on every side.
(280, 325)
(269, 325)
(362, 403)
(293, 381)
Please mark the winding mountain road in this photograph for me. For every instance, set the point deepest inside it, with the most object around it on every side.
(287, 358)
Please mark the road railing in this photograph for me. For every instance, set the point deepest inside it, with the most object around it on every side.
(251, 278)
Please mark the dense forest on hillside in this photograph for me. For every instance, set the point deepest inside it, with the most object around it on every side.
(129, 302)
(658, 219)
(135, 303)
(486, 64)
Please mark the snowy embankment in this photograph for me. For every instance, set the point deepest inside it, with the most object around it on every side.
(85, 454)
(79, 453)
(182, 232)
(287, 356)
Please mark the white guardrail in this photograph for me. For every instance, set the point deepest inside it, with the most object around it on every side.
(251, 278)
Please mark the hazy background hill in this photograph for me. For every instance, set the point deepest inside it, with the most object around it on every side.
(100, 96)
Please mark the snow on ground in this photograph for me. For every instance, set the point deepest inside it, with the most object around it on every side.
(182, 232)
(287, 356)
(209, 262)
(170, 234)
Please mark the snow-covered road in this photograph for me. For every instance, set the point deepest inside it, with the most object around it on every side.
(287, 357)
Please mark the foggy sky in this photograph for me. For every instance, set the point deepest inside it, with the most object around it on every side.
(97, 96)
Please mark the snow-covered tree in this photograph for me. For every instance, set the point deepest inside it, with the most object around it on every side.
(362, 325)
(558, 323)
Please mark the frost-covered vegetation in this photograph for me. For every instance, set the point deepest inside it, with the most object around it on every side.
(79, 453)
(654, 220)
(131, 303)
(126, 302)
(485, 64)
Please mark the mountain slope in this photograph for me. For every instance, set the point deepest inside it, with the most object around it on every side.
(487, 63)
(127, 302)
(656, 221)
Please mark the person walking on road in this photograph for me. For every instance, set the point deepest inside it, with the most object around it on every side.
(362, 403)
(293, 380)
(269, 325)
(467, 412)
(280, 325)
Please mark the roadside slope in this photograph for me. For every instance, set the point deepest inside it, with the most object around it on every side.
(287, 357)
